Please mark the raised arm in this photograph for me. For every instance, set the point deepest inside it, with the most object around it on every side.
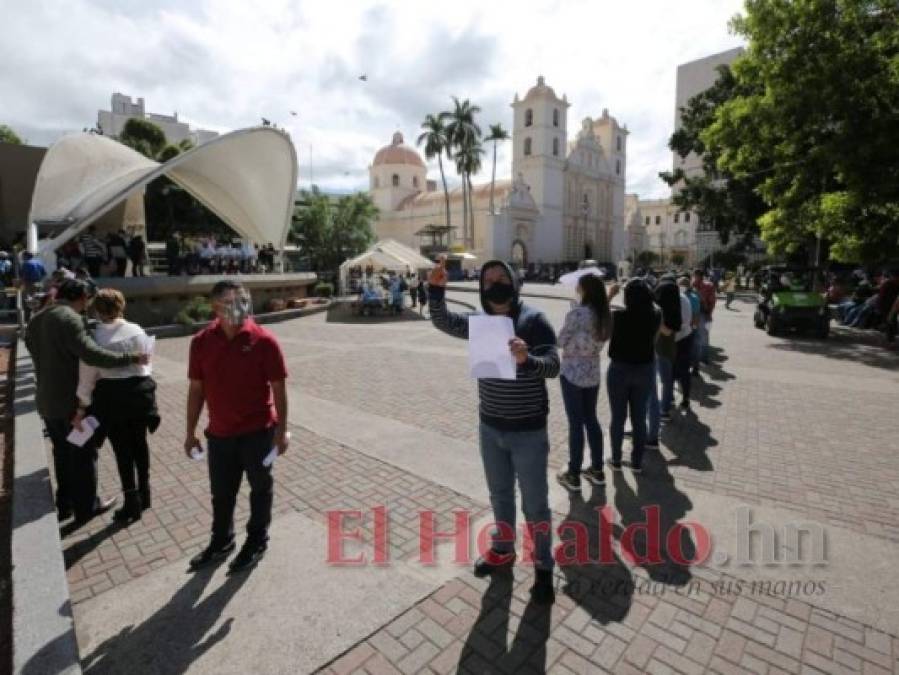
(449, 322)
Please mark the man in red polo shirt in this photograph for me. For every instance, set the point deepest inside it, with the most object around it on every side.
(237, 369)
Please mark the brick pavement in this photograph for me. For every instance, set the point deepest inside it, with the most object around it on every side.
(818, 449)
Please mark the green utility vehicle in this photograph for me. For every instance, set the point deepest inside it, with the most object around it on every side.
(788, 299)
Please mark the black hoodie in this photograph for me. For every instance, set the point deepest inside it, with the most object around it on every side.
(521, 404)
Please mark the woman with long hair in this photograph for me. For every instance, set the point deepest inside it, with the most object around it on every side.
(123, 400)
(631, 374)
(587, 328)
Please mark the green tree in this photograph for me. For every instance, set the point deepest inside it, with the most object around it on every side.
(7, 135)
(464, 134)
(729, 203)
(437, 142)
(143, 136)
(329, 231)
(816, 118)
(497, 134)
(647, 258)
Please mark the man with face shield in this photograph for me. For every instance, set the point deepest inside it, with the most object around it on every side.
(513, 435)
(237, 370)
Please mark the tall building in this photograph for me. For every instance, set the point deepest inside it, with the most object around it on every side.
(122, 108)
(564, 204)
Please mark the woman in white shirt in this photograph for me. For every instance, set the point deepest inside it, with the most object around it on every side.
(123, 400)
(587, 328)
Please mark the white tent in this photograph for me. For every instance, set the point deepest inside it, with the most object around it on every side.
(387, 254)
(247, 177)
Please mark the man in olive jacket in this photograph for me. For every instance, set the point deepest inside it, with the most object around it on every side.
(57, 338)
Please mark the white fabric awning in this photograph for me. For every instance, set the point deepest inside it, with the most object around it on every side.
(248, 178)
(387, 254)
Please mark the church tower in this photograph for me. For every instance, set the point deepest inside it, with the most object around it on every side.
(539, 137)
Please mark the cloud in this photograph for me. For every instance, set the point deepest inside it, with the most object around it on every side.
(226, 64)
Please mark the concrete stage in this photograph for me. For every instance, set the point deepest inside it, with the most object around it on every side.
(155, 300)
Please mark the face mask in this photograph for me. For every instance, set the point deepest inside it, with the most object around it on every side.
(238, 311)
(499, 293)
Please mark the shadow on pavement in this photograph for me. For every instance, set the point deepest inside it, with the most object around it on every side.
(486, 648)
(604, 588)
(846, 344)
(79, 548)
(170, 640)
(340, 312)
(689, 440)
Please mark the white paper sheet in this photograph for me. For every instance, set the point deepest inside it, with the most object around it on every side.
(488, 347)
(89, 425)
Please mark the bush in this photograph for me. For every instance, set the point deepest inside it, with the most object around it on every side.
(197, 309)
(323, 290)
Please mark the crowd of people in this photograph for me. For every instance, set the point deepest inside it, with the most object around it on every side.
(207, 255)
(659, 336)
(864, 302)
(95, 382)
(387, 292)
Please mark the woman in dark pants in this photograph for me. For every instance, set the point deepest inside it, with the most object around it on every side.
(587, 328)
(124, 402)
(631, 373)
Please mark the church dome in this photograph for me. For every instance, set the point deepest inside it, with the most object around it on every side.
(541, 89)
(398, 153)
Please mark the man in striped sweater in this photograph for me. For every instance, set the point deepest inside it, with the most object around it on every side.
(513, 436)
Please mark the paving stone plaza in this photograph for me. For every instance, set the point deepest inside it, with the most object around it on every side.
(790, 430)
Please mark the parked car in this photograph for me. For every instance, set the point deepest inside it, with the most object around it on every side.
(788, 300)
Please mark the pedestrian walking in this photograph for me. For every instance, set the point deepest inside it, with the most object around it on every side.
(631, 374)
(587, 328)
(514, 442)
(707, 299)
(57, 340)
(237, 370)
(123, 400)
(422, 297)
(92, 250)
(137, 251)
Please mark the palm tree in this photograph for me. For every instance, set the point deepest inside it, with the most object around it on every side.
(497, 134)
(468, 158)
(463, 133)
(436, 140)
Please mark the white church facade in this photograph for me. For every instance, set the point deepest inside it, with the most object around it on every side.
(565, 203)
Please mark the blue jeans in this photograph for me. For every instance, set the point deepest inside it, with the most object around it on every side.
(629, 386)
(702, 339)
(664, 370)
(580, 407)
(524, 455)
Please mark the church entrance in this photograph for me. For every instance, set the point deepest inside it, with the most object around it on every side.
(519, 254)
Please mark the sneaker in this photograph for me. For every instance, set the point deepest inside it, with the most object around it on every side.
(616, 466)
(570, 481)
(211, 554)
(595, 476)
(637, 469)
(493, 562)
(249, 555)
(652, 444)
(684, 406)
(665, 417)
(542, 591)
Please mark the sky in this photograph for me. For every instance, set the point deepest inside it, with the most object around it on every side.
(226, 64)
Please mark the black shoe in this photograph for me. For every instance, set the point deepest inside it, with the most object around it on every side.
(594, 476)
(493, 562)
(652, 444)
(211, 554)
(542, 591)
(249, 555)
(101, 506)
(570, 481)
(616, 466)
(145, 501)
(684, 406)
(130, 511)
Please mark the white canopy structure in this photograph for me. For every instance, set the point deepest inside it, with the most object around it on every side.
(387, 254)
(248, 178)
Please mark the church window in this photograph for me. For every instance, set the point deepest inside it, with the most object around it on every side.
(415, 181)
(676, 216)
(687, 217)
(556, 147)
(555, 117)
(617, 167)
(647, 220)
(396, 180)
(527, 146)
(658, 220)
(618, 143)
(528, 117)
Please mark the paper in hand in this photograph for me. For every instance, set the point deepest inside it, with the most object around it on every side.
(488, 347)
(89, 426)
